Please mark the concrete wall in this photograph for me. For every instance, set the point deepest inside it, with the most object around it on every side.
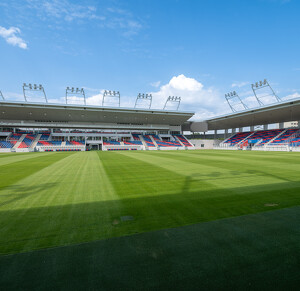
(204, 144)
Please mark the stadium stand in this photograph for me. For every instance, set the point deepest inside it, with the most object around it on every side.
(155, 137)
(259, 138)
(27, 141)
(136, 136)
(133, 142)
(168, 144)
(7, 144)
(45, 136)
(184, 141)
(75, 143)
(283, 138)
(15, 136)
(237, 138)
(148, 141)
(264, 136)
(49, 143)
(111, 142)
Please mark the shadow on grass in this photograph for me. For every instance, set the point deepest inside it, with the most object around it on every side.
(253, 252)
(19, 192)
(43, 227)
(16, 171)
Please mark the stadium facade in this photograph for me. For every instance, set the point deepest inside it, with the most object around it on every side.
(28, 126)
(57, 127)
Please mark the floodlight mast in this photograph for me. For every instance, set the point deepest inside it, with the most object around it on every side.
(173, 99)
(146, 97)
(72, 91)
(229, 96)
(33, 88)
(260, 85)
(111, 94)
(1, 95)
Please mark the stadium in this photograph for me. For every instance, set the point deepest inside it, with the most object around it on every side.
(139, 213)
(178, 187)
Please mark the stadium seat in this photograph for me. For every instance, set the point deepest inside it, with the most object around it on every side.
(183, 140)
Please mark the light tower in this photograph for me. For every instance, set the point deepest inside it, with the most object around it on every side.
(112, 96)
(77, 93)
(174, 100)
(143, 100)
(234, 100)
(33, 88)
(261, 85)
(1, 96)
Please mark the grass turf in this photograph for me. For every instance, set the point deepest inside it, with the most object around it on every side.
(251, 252)
(56, 199)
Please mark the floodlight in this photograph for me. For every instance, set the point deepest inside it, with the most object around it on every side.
(260, 85)
(173, 99)
(146, 100)
(233, 99)
(111, 95)
(1, 95)
(33, 88)
(75, 92)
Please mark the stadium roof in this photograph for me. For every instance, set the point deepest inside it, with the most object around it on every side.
(275, 113)
(64, 113)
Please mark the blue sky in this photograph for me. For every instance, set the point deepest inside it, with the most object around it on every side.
(195, 49)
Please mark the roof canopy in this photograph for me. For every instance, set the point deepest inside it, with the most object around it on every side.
(280, 112)
(61, 113)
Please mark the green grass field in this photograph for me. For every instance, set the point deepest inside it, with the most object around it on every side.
(150, 220)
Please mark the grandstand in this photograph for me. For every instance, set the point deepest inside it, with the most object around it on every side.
(250, 129)
(27, 127)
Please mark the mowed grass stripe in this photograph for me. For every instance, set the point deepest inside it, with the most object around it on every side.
(136, 178)
(222, 173)
(4, 155)
(241, 159)
(13, 158)
(17, 170)
(89, 193)
(60, 209)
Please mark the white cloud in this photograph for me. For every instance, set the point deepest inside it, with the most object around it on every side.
(291, 96)
(63, 9)
(11, 36)
(66, 11)
(239, 84)
(206, 102)
(95, 99)
(155, 84)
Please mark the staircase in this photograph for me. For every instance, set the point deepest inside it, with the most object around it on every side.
(19, 142)
(143, 142)
(177, 139)
(245, 138)
(63, 143)
(153, 140)
(36, 140)
(227, 138)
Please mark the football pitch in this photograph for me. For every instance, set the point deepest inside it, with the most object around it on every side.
(150, 220)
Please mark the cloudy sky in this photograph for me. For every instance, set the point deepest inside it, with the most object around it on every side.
(196, 49)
